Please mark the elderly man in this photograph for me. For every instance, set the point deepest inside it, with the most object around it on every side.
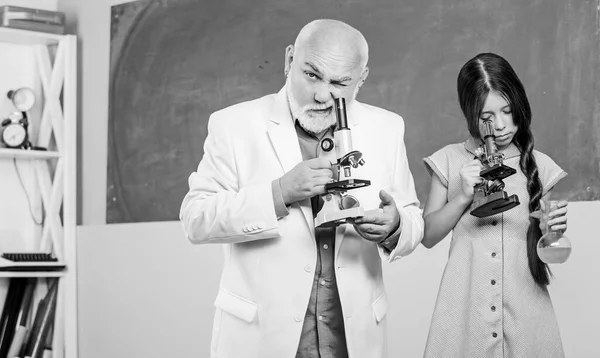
(289, 289)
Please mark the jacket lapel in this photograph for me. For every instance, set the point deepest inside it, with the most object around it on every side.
(285, 143)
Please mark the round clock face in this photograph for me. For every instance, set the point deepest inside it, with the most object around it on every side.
(14, 135)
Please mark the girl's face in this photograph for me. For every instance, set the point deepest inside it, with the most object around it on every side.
(498, 110)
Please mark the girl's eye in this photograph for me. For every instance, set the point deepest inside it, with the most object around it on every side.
(485, 119)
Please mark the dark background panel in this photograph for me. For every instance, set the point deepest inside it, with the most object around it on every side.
(173, 62)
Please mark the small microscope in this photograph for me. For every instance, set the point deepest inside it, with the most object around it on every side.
(490, 197)
(338, 206)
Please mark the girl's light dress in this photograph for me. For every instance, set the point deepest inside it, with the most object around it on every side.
(488, 304)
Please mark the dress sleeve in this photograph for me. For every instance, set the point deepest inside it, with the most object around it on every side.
(438, 163)
(550, 172)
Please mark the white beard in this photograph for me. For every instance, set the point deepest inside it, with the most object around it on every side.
(312, 122)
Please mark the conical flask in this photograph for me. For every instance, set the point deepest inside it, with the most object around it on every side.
(553, 247)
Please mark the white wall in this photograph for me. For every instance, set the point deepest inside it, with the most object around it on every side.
(146, 283)
(144, 291)
(18, 231)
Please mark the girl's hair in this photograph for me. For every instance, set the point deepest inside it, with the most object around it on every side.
(488, 72)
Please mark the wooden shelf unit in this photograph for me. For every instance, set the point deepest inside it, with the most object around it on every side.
(55, 170)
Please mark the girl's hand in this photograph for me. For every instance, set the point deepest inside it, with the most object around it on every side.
(469, 173)
(557, 218)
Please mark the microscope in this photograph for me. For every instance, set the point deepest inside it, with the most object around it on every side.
(490, 197)
(338, 206)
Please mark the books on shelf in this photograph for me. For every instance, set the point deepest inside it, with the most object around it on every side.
(36, 342)
(20, 331)
(21, 336)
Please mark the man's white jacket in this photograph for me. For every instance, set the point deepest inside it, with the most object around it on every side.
(270, 263)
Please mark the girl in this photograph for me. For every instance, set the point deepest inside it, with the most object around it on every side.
(493, 300)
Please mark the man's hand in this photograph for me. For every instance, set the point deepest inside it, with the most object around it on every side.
(377, 225)
(305, 180)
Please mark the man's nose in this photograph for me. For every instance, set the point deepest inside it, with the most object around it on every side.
(323, 93)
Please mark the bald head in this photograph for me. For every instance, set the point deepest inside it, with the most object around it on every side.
(333, 36)
(328, 60)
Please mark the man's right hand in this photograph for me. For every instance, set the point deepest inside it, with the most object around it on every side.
(305, 180)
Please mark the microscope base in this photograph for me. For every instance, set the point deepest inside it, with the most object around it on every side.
(495, 203)
(332, 219)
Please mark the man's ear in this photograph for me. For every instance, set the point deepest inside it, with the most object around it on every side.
(289, 57)
(363, 76)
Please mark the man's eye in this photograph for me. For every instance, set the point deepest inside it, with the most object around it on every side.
(311, 75)
(340, 85)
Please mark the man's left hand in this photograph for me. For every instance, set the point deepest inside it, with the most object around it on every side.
(377, 225)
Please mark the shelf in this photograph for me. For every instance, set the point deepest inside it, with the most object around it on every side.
(52, 173)
(32, 273)
(28, 154)
(27, 37)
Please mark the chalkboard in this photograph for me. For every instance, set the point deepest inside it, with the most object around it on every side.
(173, 62)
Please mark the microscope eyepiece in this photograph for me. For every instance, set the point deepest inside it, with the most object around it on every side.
(340, 113)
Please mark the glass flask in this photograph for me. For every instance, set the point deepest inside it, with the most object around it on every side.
(553, 247)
